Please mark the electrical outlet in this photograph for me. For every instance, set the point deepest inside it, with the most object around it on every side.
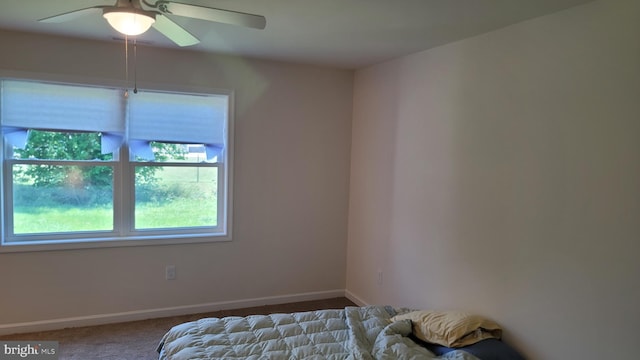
(379, 277)
(170, 272)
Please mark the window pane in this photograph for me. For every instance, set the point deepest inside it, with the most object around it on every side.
(173, 197)
(54, 145)
(59, 198)
(168, 152)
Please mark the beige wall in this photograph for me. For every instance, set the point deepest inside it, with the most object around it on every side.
(292, 145)
(501, 175)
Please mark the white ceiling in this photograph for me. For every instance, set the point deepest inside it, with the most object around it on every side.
(339, 33)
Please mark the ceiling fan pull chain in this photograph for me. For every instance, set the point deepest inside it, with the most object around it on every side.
(126, 64)
(135, 66)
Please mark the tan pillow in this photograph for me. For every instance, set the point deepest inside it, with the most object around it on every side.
(451, 328)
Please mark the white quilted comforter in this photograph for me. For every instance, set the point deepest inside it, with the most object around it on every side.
(354, 333)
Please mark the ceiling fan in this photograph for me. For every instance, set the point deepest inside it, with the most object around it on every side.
(134, 17)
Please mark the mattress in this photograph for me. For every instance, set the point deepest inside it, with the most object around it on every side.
(355, 333)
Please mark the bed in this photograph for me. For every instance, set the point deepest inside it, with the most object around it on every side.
(353, 333)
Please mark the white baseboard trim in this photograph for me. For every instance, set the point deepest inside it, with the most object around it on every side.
(101, 319)
(351, 296)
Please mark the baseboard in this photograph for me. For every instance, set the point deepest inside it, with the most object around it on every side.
(101, 319)
(351, 296)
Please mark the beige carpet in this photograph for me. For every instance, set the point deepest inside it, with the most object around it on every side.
(138, 340)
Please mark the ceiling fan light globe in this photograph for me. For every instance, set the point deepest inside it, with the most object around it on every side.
(129, 22)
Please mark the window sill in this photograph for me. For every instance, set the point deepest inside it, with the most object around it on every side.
(76, 244)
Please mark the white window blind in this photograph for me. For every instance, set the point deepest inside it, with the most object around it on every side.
(177, 118)
(28, 105)
(34, 105)
(150, 116)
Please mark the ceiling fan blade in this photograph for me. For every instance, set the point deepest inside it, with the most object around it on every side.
(212, 14)
(174, 32)
(71, 15)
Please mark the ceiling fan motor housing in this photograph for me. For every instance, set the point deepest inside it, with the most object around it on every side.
(129, 3)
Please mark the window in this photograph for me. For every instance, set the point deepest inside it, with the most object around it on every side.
(89, 166)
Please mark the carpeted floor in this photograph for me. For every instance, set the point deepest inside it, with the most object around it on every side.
(138, 340)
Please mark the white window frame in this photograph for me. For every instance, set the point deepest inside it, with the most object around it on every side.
(124, 233)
